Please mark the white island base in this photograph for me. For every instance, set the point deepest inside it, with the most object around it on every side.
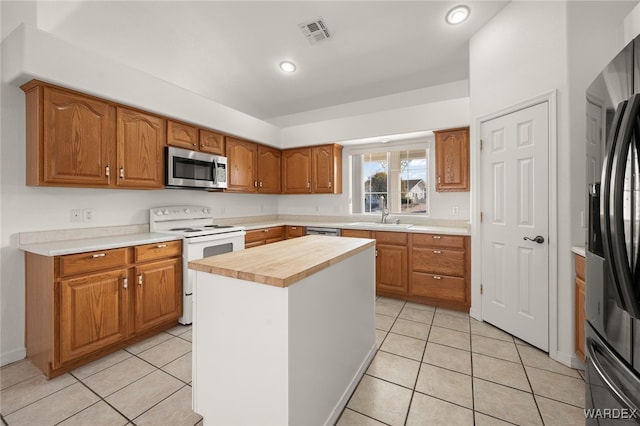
(292, 355)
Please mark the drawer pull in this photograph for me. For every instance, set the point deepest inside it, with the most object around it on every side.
(437, 277)
(437, 251)
(161, 246)
(93, 256)
(140, 279)
(294, 228)
(125, 283)
(436, 237)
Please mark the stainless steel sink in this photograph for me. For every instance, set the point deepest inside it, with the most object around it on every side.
(377, 225)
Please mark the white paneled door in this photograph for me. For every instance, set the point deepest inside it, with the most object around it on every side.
(515, 223)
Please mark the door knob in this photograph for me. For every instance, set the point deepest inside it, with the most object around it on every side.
(537, 239)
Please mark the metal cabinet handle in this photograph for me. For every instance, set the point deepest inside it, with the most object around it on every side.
(255, 183)
(107, 173)
(537, 239)
(437, 277)
(436, 237)
(308, 184)
(140, 279)
(125, 283)
(121, 172)
(329, 184)
(437, 251)
(439, 179)
(161, 246)
(93, 256)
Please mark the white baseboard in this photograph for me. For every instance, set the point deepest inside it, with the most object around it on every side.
(570, 360)
(12, 356)
(337, 410)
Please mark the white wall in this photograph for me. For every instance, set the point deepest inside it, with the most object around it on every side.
(528, 49)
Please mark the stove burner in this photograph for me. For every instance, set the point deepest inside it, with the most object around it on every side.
(218, 226)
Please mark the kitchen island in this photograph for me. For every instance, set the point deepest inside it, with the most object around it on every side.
(282, 333)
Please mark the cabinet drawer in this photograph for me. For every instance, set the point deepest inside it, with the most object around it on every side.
(295, 231)
(253, 236)
(450, 289)
(356, 233)
(273, 233)
(580, 267)
(158, 251)
(434, 240)
(92, 261)
(438, 261)
(254, 244)
(395, 238)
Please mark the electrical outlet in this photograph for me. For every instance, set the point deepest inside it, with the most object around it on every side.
(455, 211)
(75, 215)
(88, 215)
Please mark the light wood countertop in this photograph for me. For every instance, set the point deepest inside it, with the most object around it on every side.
(285, 262)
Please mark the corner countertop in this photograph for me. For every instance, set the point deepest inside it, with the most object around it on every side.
(579, 250)
(83, 245)
(283, 263)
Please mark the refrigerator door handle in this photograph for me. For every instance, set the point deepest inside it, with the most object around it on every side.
(620, 256)
(606, 195)
(593, 348)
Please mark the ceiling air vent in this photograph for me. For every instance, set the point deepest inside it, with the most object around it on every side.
(315, 30)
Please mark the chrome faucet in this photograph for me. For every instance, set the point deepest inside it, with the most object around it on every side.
(383, 210)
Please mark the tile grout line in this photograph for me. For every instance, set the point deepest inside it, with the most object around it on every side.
(535, 401)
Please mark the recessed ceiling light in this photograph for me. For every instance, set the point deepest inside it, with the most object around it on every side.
(458, 14)
(287, 66)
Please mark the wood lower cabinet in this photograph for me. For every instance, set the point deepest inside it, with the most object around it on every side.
(580, 317)
(452, 159)
(294, 232)
(262, 236)
(82, 306)
(391, 262)
(440, 270)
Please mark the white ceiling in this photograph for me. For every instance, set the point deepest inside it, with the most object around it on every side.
(229, 51)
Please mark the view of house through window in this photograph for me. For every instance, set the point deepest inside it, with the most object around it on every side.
(400, 176)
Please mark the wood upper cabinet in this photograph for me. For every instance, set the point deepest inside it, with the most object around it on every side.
(269, 165)
(93, 313)
(190, 137)
(242, 163)
(316, 170)
(140, 141)
(296, 171)
(211, 142)
(82, 141)
(252, 167)
(326, 169)
(452, 159)
(182, 135)
(69, 138)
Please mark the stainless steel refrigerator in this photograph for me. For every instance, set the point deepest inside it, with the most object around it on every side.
(613, 243)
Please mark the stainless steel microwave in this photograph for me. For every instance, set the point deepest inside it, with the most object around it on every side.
(192, 169)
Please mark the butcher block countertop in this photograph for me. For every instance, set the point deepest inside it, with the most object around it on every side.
(285, 262)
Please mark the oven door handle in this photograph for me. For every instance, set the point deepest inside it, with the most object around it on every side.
(593, 348)
(214, 172)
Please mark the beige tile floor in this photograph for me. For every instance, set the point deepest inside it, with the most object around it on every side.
(433, 366)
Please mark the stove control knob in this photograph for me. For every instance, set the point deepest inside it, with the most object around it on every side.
(158, 212)
(187, 211)
(165, 211)
(205, 211)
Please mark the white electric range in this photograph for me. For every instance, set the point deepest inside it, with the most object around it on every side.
(200, 238)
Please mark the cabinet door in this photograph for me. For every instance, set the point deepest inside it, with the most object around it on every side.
(452, 160)
(326, 178)
(182, 135)
(391, 269)
(140, 139)
(92, 313)
(294, 232)
(296, 171)
(158, 293)
(269, 167)
(211, 142)
(242, 159)
(78, 137)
